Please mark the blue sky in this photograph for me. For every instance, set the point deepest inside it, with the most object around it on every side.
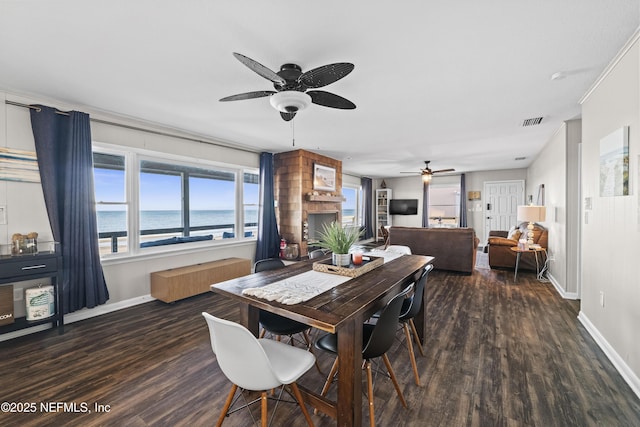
(162, 192)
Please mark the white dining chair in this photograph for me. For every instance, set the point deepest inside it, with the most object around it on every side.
(256, 364)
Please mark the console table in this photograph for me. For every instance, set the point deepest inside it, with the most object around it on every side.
(21, 268)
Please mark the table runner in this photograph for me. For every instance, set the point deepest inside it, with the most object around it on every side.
(299, 288)
(303, 287)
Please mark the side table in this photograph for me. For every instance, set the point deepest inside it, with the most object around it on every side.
(520, 252)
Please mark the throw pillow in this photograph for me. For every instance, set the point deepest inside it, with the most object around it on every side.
(514, 234)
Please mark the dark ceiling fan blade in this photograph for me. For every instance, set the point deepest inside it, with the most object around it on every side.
(443, 170)
(248, 95)
(413, 173)
(331, 100)
(259, 68)
(287, 116)
(325, 75)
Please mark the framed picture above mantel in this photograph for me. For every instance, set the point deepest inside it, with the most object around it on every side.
(324, 178)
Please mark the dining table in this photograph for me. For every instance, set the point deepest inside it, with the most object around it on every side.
(341, 310)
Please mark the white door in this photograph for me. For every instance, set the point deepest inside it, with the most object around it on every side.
(501, 200)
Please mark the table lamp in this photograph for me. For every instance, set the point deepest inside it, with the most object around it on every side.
(531, 214)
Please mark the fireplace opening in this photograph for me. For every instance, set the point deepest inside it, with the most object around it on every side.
(316, 223)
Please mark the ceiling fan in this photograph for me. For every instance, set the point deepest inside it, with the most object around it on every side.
(291, 84)
(427, 173)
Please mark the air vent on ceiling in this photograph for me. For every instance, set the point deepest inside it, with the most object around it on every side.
(532, 122)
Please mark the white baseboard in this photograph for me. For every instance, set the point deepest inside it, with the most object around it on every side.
(627, 374)
(77, 316)
(88, 313)
(564, 294)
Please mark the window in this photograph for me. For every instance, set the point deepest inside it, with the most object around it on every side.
(112, 209)
(351, 214)
(444, 205)
(175, 202)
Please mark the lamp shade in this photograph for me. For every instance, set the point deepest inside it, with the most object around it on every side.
(532, 213)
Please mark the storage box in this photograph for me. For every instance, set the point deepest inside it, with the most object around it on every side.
(6, 304)
(40, 302)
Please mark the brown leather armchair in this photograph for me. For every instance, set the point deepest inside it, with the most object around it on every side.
(500, 244)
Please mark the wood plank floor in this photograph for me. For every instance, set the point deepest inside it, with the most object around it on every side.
(498, 354)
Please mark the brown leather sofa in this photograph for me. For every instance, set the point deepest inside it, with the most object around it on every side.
(454, 249)
(500, 244)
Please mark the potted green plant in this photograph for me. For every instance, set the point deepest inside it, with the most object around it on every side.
(339, 239)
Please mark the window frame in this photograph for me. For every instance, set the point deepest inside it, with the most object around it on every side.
(358, 208)
(448, 221)
(133, 161)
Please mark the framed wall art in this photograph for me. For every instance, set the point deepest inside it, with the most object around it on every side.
(614, 163)
(324, 178)
(18, 165)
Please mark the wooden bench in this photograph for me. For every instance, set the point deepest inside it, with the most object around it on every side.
(183, 282)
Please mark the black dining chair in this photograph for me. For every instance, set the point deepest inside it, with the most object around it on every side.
(275, 324)
(410, 308)
(376, 341)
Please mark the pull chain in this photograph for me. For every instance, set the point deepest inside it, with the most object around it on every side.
(293, 132)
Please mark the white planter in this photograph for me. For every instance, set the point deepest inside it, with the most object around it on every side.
(341, 260)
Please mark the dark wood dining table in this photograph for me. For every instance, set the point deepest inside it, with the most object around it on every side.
(341, 310)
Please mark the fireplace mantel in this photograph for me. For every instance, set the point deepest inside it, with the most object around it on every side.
(320, 198)
(294, 192)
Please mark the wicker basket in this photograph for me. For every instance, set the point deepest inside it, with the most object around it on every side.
(353, 270)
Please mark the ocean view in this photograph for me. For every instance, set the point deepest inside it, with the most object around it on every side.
(110, 221)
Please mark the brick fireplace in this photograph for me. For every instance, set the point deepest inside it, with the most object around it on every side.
(299, 208)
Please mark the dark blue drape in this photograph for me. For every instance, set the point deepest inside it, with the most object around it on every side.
(367, 202)
(65, 159)
(425, 204)
(463, 201)
(268, 236)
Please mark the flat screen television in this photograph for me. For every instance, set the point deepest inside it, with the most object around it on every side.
(403, 207)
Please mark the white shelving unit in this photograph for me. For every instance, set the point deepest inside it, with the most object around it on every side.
(383, 218)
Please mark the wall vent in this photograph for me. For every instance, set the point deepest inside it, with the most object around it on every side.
(532, 122)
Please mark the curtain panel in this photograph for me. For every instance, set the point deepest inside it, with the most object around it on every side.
(268, 245)
(367, 202)
(65, 160)
(463, 201)
(425, 204)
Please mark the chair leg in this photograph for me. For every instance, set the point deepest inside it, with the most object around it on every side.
(372, 421)
(415, 335)
(264, 409)
(298, 396)
(393, 379)
(332, 373)
(307, 340)
(411, 355)
(227, 405)
(263, 333)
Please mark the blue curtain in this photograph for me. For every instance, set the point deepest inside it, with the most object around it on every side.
(463, 201)
(268, 245)
(65, 159)
(425, 204)
(367, 202)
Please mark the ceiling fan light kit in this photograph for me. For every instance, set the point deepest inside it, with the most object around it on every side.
(290, 101)
(427, 173)
(290, 85)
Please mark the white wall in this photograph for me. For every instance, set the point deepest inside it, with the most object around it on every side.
(127, 279)
(610, 306)
(550, 168)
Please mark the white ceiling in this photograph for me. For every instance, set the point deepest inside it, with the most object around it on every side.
(446, 81)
